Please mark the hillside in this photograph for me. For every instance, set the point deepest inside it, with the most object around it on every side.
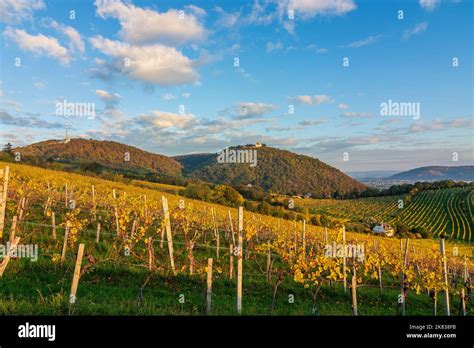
(109, 154)
(146, 281)
(193, 161)
(464, 173)
(277, 171)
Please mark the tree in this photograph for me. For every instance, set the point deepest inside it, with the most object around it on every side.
(8, 148)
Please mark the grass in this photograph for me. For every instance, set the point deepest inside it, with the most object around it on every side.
(42, 288)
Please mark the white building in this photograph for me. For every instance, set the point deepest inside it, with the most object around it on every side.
(384, 228)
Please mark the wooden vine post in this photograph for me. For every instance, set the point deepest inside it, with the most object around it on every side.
(66, 196)
(191, 257)
(463, 291)
(231, 261)
(3, 198)
(6, 259)
(169, 236)
(53, 221)
(216, 232)
(97, 237)
(77, 274)
(93, 204)
(354, 292)
(231, 228)
(402, 282)
(304, 236)
(379, 271)
(344, 279)
(150, 254)
(66, 236)
(11, 237)
(445, 277)
(209, 287)
(239, 261)
(269, 262)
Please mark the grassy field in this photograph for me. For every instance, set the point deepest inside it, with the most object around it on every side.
(114, 283)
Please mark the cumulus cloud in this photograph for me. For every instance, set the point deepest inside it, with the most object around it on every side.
(139, 25)
(110, 99)
(161, 119)
(155, 64)
(75, 40)
(16, 11)
(39, 45)
(313, 99)
(417, 29)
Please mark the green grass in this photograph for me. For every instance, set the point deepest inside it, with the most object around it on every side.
(42, 288)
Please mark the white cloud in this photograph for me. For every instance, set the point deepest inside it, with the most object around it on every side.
(227, 20)
(168, 97)
(39, 85)
(186, 95)
(40, 44)
(311, 100)
(356, 114)
(110, 100)
(15, 11)
(419, 28)
(343, 106)
(310, 8)
(196, 10)
(274, 46)
(156, 64)
(429, 5)
(161, 119)
(75, 40)
(365, 42)
(259, 14)
(139, 25)
(310, 122)
(248, 110)
(316, 48)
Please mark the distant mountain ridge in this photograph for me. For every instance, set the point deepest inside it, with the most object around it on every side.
(435, 173)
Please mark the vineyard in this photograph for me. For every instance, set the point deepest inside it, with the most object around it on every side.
(112, 248)
(448, 211)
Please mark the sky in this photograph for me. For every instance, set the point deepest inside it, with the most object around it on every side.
(322, 78)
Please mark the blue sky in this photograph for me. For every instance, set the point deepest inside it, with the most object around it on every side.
(166, 81)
